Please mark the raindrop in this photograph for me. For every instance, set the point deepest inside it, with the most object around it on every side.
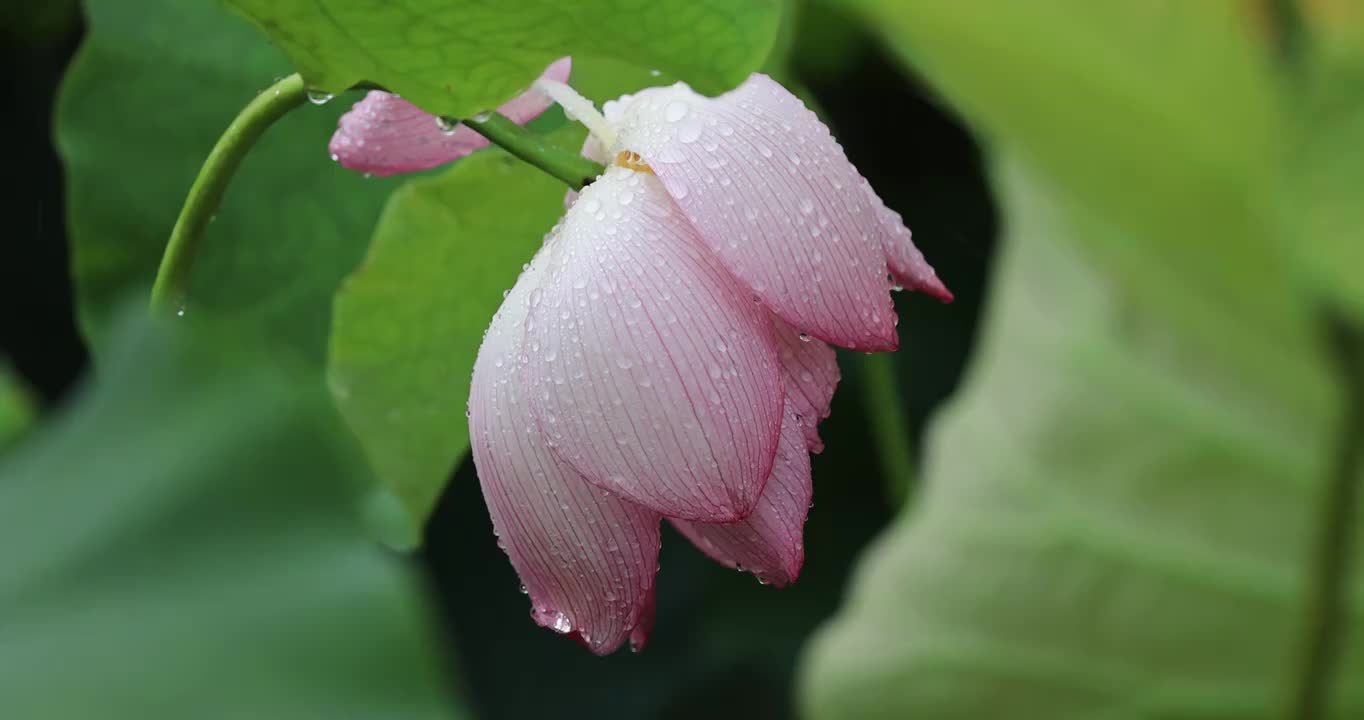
(482, 117)
(804, 337)
(561, 624)
(447, 125)
(806, 206)
(690, 132)
(675, 111)
(319, 97)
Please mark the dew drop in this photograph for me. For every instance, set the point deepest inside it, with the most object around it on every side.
(690, 132)
(675, 111)
(447, 125)
(804, 337)
(319, 97)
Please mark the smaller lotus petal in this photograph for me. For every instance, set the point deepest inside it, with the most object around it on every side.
(811, 370)
(770, 542)
(907, 265)
(387, 135)
(587, 558)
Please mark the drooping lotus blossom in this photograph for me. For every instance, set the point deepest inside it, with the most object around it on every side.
(384, 134)
(668, 352)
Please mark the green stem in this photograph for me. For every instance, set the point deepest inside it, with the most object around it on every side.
(206, 194)
(889, 426)
(574, 170)
(1328, 594)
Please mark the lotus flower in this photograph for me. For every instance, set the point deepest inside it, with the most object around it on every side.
(668, 351)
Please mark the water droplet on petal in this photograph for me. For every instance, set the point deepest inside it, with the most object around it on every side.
(675, 111)
(689, 132)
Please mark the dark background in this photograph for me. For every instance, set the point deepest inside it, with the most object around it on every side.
(723, 645)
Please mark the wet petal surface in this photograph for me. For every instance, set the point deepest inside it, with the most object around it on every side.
(775, 198)
(587, 558)
(770, 542)
(651, 370)
(812, 375)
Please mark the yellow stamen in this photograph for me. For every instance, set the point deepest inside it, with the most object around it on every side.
(632, 160)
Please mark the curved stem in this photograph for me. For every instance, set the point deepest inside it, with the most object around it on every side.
(206, 194)
(889, 426)
(573, 169)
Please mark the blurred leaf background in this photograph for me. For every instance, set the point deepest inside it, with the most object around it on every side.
(1142, 502)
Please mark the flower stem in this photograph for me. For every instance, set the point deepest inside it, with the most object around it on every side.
(574, 170)
(1332, 557)
(889, 426)
(206, 194)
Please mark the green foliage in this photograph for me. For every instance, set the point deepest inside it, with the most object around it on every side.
(1320, 191)
(1101, 528)
(1128, 511)
(409, 321)
(459, 58)
(189, 550)
(148, 94)
(1159, 116)
(16, 407)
